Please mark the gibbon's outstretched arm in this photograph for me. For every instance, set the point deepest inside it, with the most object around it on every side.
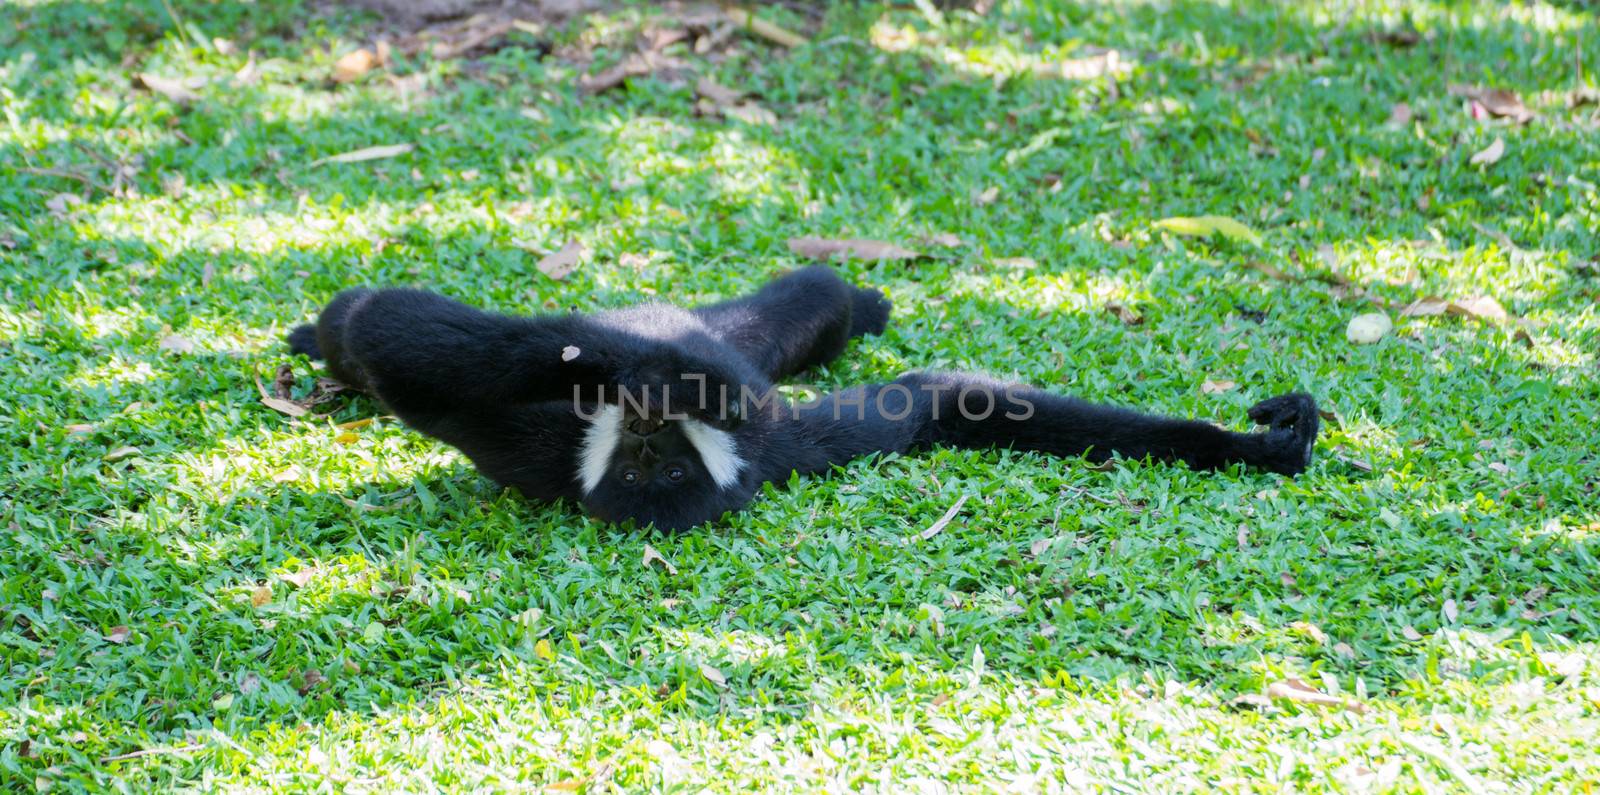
(424, 353)
(920, 410)
(798, 321)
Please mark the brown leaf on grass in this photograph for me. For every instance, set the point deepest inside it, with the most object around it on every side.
(1490, 154)
(1302, 693)
(637, 65)
(118, 634)
(310, 679)
(1497, 101)
(987, 196)
(720, 95)
(175, 90)
(942, 240)
(939, 526)
(126, 451)
(1126, 315)
(1425, 307)
(652, 556)
(561, 264)
(299, 578)
(1399, 115)
(261, 595)
(1482, 307)
(852, 248)
(365, 154)
(280, 405)
(353, 65)
(1210, 387)
(1269, 270)
(1310, 630)
(713, 675)
(477, 32)
(176, 344)
(1090, 67)
(771, 32)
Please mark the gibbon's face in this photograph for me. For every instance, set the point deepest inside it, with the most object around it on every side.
(673, 473)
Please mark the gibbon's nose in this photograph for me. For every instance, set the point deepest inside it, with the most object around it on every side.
(645, 426)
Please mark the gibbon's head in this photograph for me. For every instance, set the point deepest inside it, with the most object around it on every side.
(675, 473)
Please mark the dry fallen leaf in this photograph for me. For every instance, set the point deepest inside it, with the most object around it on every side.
(1490, 154)
(938, 526)
(120, 453)
(353, 65)
(637, 65)
(652, 556)
(176, 344)
(1208, 225)
(1369, 328)
(942, 239)
(288, 407)
(870, 250)
(1482, 307)
(299, 578)
(118, 634)
(1038, 547)
(1400, 115)
(1496, 101)
(718, 94)
(1451, 611)
(1217, 387)
(1300, 692)
(713, 675)
(1268, 270)
(988, 196)
(1089, 67)
(1310, 630)
(562, 263)
(1410, 633)
(175, 90)
(368, 153)
(1124, 314)
(261, 595)
(1425, 307)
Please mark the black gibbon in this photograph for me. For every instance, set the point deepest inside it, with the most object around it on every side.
(669, 416)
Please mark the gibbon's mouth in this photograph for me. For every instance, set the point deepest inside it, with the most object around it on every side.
(616, 436)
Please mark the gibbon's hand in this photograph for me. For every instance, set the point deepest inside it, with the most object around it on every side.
(670, 381)
(1292, 423)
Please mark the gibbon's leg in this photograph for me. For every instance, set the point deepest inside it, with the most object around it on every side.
(926, 409)
(797, 321)
(426, 353)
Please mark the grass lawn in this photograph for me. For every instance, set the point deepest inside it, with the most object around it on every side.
(198, 590)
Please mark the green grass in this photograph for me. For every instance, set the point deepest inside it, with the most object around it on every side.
(1072, 629)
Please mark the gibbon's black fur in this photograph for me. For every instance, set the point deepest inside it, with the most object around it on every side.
(654, 413)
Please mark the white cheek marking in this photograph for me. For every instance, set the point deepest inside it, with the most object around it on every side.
(599, 445)
(716, 451)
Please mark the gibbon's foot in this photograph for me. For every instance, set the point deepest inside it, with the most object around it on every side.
(679, 385)
(869, 312)
(1292, 423)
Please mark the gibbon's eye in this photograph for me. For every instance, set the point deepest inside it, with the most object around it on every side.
(675, 474)
(630, 476)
